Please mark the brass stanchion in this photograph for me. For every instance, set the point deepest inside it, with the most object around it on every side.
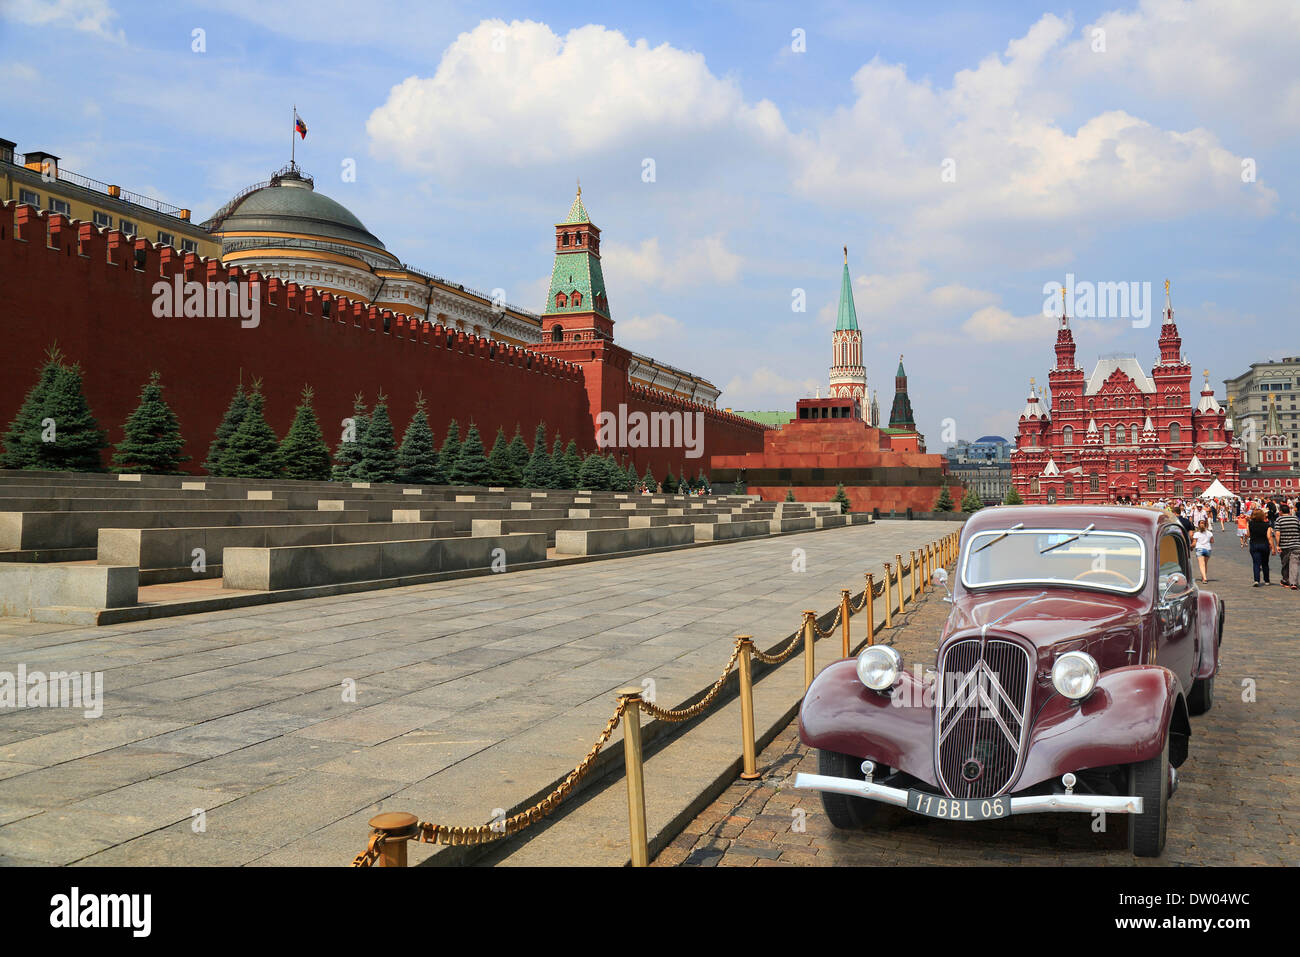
(809, 623)
(871, 623)
(397, 827)
(912, 583)
(635, 776)
(750, 770)
(845, 611)
(900, 583)
(889, 601)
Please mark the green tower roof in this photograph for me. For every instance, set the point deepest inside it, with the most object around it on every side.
(577, 212)
(848, 318)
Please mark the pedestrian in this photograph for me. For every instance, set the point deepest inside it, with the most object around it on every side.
(1243, 520)
(1185, 522)
(1287, 530)
(1204, 540)
(1261, 544)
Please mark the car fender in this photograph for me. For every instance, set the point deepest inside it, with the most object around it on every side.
(1210, 614)
(1124, 721)
(840, 714)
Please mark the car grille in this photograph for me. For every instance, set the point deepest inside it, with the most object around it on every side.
(982, 709)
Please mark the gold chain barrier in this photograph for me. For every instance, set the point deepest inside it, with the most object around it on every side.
(391, 831)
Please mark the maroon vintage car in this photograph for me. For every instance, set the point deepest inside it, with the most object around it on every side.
(1077, 649)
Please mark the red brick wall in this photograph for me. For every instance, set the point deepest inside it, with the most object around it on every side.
(70, 283)
(67, 282)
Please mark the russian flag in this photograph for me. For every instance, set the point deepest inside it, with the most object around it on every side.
(299, 126)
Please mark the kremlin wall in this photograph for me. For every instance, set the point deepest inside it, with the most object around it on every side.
(91, 291)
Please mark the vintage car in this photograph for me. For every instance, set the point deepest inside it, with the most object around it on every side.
(1077, 649)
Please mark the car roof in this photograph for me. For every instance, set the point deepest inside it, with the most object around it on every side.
(1120, 518)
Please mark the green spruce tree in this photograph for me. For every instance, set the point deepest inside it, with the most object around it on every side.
(501, 466)
(649, 479)
(1013, 497)
(670, 482)
(152, 440)
(349, 451)
(417, 459)
(633, 480)
(303, 453)
(449, 452)
(944, 502)
(378, 462)
(971, 502)
(519, 454)
(842, 498)
(23, 440)
(591, 477)
(253, 451)
(74, 441)
(540, 471)
(471, 466)
(572, 463)
(789, 495)
(559, 478)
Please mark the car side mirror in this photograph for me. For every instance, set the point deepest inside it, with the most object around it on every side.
(1175, 584)
(941, 576)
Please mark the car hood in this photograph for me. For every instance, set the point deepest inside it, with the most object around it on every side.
(1045, 621)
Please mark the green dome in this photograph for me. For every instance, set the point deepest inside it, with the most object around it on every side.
(290, 204)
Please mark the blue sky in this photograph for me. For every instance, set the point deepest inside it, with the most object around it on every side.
(966, 156)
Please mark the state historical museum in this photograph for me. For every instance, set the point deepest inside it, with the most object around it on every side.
(1121, 434)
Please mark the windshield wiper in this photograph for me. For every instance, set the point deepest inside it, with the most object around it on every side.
(1066, 541)
(994, 541)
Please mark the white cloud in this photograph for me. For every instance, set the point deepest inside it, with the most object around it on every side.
(764, 389)
(517, 94)
(656, 327)
(88, 16)
(703, 260)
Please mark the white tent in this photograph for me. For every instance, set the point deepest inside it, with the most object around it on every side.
(1217, 490)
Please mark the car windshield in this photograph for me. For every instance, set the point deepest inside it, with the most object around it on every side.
(1086, 557)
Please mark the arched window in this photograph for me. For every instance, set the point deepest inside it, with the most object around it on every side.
(1033, 486)
(1120, 437)
(566, 239)
(1151, 481)
(1067, 436)
(1105, 435)
(577, 239)
(575, 300)
(1175, 433)
(561, 300)
(1051, 496)
(1133, 433)
(557, 333)
(1069, 490)
(1094, 482)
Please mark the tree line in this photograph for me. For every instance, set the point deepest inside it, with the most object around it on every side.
(56, 430)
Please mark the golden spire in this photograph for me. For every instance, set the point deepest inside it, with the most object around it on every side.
(846, 255)
(579, 188)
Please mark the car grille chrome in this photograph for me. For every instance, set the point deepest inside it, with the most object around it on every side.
(982, 707)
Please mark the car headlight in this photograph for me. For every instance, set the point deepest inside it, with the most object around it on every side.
(878, 667)
(1075, 674)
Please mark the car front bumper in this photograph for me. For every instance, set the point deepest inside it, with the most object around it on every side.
(1033, 804)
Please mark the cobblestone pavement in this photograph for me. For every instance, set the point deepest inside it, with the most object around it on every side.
(1237, 803)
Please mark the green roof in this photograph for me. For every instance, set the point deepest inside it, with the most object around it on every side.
(848, 318)
(900, 367)
(764, 418)
(577, 212)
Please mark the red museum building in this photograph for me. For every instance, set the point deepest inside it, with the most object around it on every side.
(1121, 434)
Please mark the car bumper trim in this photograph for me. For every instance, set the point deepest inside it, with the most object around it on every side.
(1032, 804)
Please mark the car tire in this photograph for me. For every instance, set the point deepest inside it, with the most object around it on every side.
(1149, 780)
(842, 810)
(1201, 698)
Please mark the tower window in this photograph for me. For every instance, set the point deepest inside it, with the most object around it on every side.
(561, 300)
(575, 300)
(557, 333)
(566, 239)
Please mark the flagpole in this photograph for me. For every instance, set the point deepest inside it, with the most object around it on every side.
(293, 131)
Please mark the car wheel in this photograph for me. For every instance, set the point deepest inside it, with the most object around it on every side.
(1202, 697)
(1149, 780)
(843, 811)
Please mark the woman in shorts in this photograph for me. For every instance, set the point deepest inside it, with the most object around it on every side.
(1203, 540)
(1243, 527)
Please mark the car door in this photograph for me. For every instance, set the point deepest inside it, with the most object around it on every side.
(1175, 608)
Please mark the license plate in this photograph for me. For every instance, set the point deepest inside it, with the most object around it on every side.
(957, 809)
